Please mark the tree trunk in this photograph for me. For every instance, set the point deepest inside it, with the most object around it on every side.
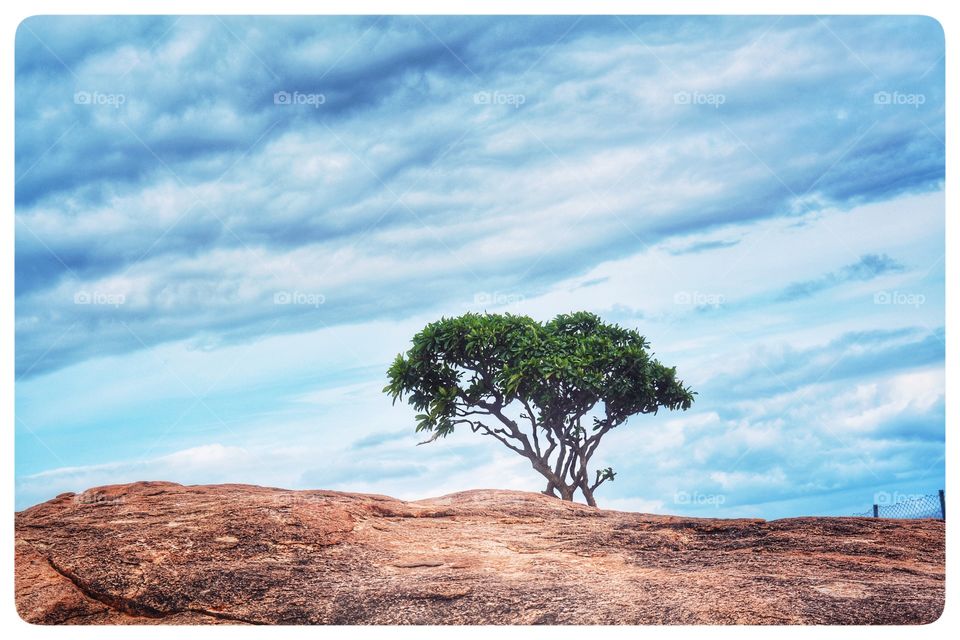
(566, 493)
(588, 495)
(555, 484)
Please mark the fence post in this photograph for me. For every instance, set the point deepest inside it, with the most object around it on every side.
(943, 505)
(876, 511)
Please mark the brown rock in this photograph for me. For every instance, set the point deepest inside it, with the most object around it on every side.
(162, 553)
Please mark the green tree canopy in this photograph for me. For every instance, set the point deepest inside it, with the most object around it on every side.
(548, 391)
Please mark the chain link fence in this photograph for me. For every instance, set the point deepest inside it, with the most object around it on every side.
(907, 506)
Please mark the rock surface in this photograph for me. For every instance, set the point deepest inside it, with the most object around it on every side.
(162, 553)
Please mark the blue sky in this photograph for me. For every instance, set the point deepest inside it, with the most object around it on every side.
(226, 229)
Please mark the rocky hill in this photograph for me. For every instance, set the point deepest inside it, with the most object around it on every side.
(162, 553)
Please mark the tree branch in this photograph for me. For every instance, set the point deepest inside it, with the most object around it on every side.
(533, 424)
(599, 482)
(494, 432)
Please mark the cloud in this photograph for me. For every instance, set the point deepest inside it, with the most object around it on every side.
(706, 245)
(201, 464)
(211, 280)
(398, 469)
(377, 439)
(868, 267)
(773, 368)
(199, 198)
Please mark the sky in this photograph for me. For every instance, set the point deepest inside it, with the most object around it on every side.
(227, 228)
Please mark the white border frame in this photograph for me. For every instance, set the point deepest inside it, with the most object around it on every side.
(15, 12)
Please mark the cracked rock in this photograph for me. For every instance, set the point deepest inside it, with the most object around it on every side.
(162, 553)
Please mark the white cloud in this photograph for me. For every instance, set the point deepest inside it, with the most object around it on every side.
(403, 199)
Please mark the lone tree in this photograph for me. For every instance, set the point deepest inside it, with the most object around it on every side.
(548, 391)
